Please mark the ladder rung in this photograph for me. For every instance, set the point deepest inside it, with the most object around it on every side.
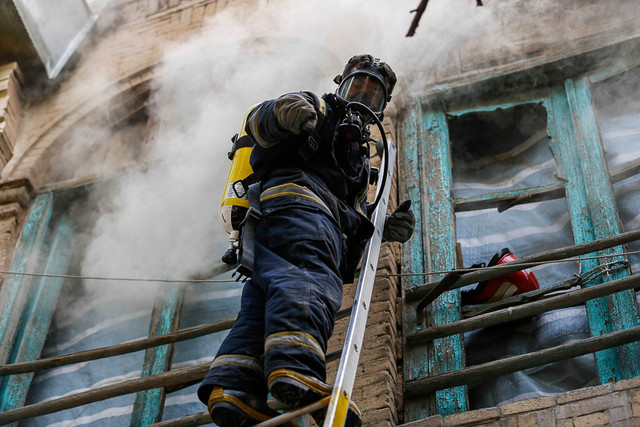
(292, 415)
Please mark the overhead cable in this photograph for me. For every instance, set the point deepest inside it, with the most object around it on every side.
(431, 273)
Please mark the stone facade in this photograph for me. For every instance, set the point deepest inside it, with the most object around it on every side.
(15, 195)
(10, 109)
(15, 198)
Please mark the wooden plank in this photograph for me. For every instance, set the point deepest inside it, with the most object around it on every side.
(599, 197)
(478, 373)
(444, 285)
(166, 379)
(116, 350)
(165, 317)
(497, 101)
(560, 126)
(626, 170)
(13, 293)
(289, 416)
(440, 248)
(614, 68)
(523, 311)
(37, 317)
(191, 420)
(503, 200)
(531, 296)
(426, 151)
(528, 261)
(412, 175)
(510, 78)
(602, 205)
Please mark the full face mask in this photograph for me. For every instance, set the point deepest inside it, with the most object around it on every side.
(365, 86)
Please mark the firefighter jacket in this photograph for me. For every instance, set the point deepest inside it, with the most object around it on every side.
(337, 171)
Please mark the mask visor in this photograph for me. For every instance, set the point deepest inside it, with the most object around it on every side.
(365, 89)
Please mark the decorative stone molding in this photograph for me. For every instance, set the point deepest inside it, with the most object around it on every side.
(15, 199)
(10, 109)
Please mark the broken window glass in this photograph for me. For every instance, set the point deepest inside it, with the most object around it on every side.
(500, 150)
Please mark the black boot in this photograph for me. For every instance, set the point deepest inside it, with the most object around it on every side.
(295, 390)
(233, 408)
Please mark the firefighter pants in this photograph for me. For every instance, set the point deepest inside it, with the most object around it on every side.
(289, 305)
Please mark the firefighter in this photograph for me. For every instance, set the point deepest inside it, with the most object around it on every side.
(310, 226)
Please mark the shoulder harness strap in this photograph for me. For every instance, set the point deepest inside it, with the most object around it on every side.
(309, 148)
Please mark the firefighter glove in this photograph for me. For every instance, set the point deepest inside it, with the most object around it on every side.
(399, 226)
(295, 114)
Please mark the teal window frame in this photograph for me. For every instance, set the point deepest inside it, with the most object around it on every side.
(28, 303)
(576, 144)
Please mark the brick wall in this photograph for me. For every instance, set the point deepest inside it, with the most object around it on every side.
(15, 195)
(605, 405)
(378, 379)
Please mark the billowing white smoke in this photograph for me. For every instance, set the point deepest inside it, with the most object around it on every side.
(163, 223)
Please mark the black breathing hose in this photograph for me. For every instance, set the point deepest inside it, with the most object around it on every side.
(359, 106)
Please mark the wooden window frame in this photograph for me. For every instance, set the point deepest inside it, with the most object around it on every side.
(577, 148)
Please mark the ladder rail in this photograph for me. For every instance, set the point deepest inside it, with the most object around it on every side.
(346, 374)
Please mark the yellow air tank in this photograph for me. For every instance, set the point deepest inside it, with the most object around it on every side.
(235, 204)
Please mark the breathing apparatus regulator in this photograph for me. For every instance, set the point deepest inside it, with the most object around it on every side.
(364, 95)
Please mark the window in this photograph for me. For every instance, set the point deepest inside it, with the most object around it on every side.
(66, 316)
(522, 169)
(506, 151)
